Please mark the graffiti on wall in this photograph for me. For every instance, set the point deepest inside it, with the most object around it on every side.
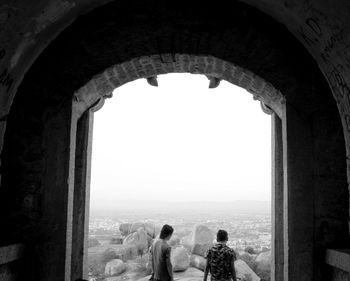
(5, 78)
(313, 33)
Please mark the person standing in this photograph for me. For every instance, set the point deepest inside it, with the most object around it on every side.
(220, 260)
(160, 252)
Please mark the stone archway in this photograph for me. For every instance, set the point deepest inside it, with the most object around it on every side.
(38, 164)
(91, 98)
(102, 85)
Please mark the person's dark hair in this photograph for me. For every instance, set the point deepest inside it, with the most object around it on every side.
(166, 231)
(221, 236)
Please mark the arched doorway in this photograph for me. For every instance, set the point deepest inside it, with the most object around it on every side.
(121, 42)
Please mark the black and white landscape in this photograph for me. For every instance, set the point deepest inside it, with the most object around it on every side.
(121, 232)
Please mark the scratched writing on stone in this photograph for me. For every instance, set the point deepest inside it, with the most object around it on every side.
(336, 78)
(347, 121)
(329, 45)
(313, 33)
(341, 90)
(5, 78)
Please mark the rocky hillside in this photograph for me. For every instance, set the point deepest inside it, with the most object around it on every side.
(127, 258)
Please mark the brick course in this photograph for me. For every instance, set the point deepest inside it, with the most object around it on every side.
(103, 84)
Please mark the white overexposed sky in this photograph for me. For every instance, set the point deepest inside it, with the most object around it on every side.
(181, 141)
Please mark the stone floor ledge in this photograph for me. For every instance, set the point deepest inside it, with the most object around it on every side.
(339, 258)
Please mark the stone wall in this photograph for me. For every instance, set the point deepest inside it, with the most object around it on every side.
(320, 26)
(41, 68)
(105, 38)
(340, 275)
(101, 86)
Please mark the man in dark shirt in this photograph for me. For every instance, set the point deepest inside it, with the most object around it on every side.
(220, 260)
(162, 269)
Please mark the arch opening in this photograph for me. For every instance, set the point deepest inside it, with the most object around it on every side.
(198, 144)
(102, 85)
(46, 137)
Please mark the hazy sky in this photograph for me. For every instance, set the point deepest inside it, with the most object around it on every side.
(181, 141)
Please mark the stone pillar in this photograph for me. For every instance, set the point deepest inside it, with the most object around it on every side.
(82, 196)
(298, 196)
(55, 245)
(277, 200)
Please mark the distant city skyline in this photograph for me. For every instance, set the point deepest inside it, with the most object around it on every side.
(181, 142)
(114, 207)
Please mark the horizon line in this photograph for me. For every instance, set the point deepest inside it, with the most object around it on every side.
(178, 201)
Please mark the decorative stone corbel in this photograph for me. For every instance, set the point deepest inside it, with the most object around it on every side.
(265, 108)
(152, 81)
(213, 81)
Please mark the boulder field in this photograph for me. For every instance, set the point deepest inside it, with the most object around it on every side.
(199, 241)
(180, 259)
(121, 262)
(138, 239)
(243, 272)
(115, 267)
(151, 229)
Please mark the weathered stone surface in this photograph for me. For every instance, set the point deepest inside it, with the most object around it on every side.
(244, 272)
(134, 270)
(263, 265)
(198, 262)
(137, 239)
(127, 252)
(180, 258)
(137, 225)
(174, 240)
(248, 259)
(100, 255)
(340, 275)
(124, 252)
(114, 267)
(124, 228)
(151, 229)
(339, 258)
(190, 274)
(200, 240)
(48, 76)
